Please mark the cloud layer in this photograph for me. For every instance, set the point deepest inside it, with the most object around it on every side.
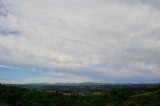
(94, 39)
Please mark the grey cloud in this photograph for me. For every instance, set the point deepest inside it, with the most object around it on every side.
(108, 37)
(6, 27)
(3, 9)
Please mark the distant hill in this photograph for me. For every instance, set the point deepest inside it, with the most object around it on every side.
(86, 84)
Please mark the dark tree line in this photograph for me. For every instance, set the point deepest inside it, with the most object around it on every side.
(16, 96)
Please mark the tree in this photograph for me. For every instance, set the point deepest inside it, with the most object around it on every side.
(131, 103)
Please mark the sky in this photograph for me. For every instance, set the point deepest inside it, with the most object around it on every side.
(73, 41)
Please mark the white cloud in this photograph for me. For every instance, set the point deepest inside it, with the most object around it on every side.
(93, 35)
(55, 80)
(47, 80)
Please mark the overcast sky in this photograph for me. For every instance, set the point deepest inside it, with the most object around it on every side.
(112, 41)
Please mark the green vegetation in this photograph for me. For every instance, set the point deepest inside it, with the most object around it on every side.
(16, 96)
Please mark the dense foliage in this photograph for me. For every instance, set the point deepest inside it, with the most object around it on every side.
(16, 96)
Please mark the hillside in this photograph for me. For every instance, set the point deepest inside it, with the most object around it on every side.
(127, 96)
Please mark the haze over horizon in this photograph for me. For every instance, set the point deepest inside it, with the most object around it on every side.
(72, 41)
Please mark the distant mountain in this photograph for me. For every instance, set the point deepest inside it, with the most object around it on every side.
(92, 84)
(69, 84)
(83, 86)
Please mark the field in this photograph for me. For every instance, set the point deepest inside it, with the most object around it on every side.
(80, 95)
